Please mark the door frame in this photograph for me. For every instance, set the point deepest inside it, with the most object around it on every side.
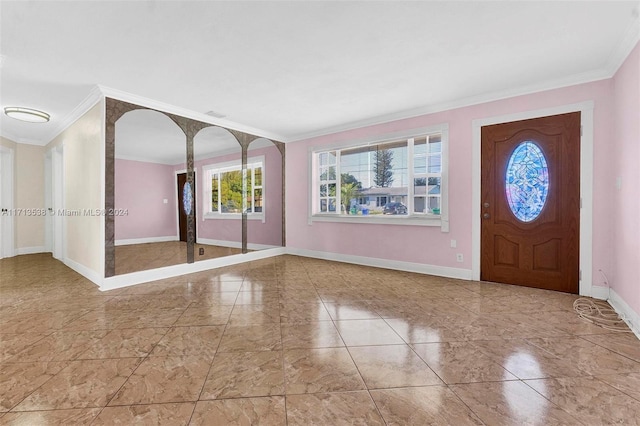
(58, 200)
(7, 225)
(586, 185)
(176, 207)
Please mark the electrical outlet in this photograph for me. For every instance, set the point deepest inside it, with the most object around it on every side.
(454, 244)
(459, 257)
(201, 251)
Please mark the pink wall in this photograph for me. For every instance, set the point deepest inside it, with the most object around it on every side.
(270, 232)
(141, 188)
(428, 245)
(625, 208)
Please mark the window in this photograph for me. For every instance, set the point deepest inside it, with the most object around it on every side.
(226, 190)
(406, 174)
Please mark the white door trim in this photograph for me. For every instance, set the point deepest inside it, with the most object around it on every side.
(7, 241)
(586, 184)
(58, 197)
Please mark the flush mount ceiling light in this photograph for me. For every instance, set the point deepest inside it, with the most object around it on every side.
(27, 114)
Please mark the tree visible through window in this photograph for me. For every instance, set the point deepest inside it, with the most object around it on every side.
(226, 188)
(405, 173)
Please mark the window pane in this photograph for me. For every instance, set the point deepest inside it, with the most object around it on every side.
(332, 172)
(419, 205)
(323, 190)
(323, 205)
(420, 165)
(435, 144)
(434, 205)
(332, 189)
(433, 186)
(257, 176)
(257, 200)
(231, 191)
(420, 186)
(214, 193)
(420, 146)
(324, 175)
(332, 204)
(435, 162)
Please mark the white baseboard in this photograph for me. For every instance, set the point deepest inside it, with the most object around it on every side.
(420, 268)
(234, 244)
(630, 316)
(89, 274)
(31, 250)
(600, 292)
(146, 240)
(134, 278)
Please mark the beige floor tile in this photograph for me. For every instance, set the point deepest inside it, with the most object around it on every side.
(255, 314)
(81, 416)
(264, 337)
(367, 333)
(628, 383)
(320, 334)
(350, 311)
(245, 374)
(423, 331)
(154, 414)
(60, 346)
(392, 366)
(164, 379)
(241, 412)
(82, 384)
(589, 400)
(511, 403)
(11, 344)
(626, 344)
(431, 405)
(279, 332)
(320, 370)
(527, 361)
(344, 408)
(303, 312)
(125, 343)
(189, 341)
(19, 380)
(587, 356)
(205, 315)
(461, 362)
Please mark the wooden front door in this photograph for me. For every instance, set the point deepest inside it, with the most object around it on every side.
(530, 203)
(182, 216)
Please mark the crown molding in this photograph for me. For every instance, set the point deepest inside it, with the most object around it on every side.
(184, 112)
(621, 52)
(581, 78)
(81, 109)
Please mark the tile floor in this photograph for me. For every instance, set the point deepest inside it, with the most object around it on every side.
(295, 341)
(141, 257)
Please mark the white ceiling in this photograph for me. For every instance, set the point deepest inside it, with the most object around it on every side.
(290, 70)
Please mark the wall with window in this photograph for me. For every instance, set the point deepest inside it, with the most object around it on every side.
(141, 190)
(625, 182)
(265, 225)
(430, 245)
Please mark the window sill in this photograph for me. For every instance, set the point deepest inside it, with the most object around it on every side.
(381, 220)
(233, 216)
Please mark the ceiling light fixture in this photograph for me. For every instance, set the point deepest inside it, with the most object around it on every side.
(27, 114)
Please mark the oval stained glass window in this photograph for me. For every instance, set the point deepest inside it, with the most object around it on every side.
(187, 198)
(527, 181)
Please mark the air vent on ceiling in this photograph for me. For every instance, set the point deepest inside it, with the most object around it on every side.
(215, 114)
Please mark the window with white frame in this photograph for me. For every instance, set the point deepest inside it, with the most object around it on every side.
(224, 194)
(399, 177)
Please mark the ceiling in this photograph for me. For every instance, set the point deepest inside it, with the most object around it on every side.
(292, 70)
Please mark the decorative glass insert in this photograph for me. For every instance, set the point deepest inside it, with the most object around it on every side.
(527, 181)
(187, 198)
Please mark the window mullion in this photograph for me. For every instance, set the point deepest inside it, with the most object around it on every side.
(338, 184)
(410, 189)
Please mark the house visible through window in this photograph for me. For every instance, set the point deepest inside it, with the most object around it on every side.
(225, 194)
(401, 177)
